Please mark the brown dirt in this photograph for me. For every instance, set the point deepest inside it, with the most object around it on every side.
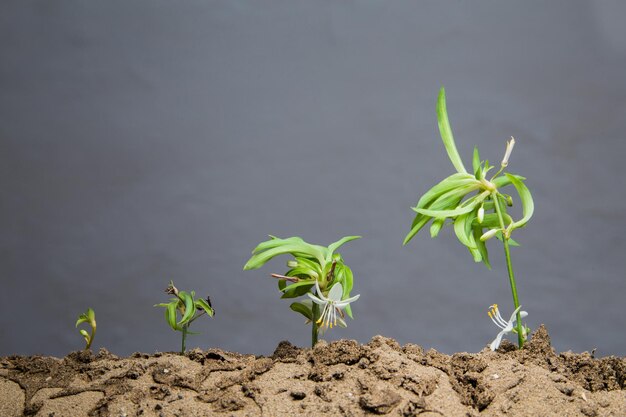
(341, 378)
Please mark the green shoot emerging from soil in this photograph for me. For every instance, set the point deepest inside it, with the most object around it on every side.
(316, 271)
(188, 307)
(88, 317)
(475, 206)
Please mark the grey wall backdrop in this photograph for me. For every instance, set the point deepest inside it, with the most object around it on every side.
(153, 140)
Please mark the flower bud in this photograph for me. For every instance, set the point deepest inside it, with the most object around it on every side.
(481, 214)
(507, 153)
(292, 264)
(489, 234)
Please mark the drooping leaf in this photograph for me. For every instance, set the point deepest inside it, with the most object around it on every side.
(297, 289)
(526, 198)
(303, 307)
(189, 307)
(436, 227)
(476, 164)
(202, 303)
(446, 132)
(463, 229)
(170, 315)
(466, 207)
(295, 248)
(480, 245)
(334, 246)
(452, 182)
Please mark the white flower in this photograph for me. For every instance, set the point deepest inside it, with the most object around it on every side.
(507, 153)
(507, 327)
(333, 304)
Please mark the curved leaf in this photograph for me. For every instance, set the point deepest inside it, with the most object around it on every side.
(334, 246)
(466, 207)
(303, 307)
(449, 183)
(294, 248)
(189, 307)
(202, 303)
(526, 198)
(446, 132)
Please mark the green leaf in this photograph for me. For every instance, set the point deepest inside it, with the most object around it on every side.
(303, 308)
(476, 164)
(85, 335)
(526, 198)
(492, 221)
(82, 319)
(446, 132)
(503, 181)
(334, 246)
(448, 184)
(466, 207)
(297, 289)
(436, 227)
(480, 245)
(453, 197)
(170, 315)
(463, 229)
(419, 222)
(294, 248)
(189, 307)
(202, 303)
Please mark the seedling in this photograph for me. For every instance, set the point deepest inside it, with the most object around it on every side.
(88, 317)
(477, 209)
(188, 307)
(315, 271)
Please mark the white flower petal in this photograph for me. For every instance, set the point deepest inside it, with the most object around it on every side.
(496, 342)
(344, 303)
(319, 291)
(336, 292)
(315, 299)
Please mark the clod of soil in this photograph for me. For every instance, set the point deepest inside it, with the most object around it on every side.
(341, 378)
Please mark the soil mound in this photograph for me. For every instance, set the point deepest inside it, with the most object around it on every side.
(341, 378)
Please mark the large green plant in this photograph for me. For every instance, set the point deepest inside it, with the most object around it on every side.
(476, 207)
(315, 271)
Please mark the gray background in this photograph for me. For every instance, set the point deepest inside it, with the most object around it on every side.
(156, 140)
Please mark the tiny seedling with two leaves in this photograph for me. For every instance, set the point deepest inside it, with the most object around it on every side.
(477, 208)
(88, 317)
(188, 307)
(315, 271)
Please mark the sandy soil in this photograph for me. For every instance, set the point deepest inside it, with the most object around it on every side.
(338, 379)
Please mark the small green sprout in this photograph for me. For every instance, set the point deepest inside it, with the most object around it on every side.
(88, 317)
(313, 267)
(475, 205)
(189, 308)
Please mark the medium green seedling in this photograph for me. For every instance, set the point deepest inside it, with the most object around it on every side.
(88, 317)
(185, 305)
(315, 271)
(476, 207)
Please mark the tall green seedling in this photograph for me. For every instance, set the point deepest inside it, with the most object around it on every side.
(476, 207)
(315, 271)
(186, 306)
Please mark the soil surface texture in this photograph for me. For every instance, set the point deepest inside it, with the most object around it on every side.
(341, 378)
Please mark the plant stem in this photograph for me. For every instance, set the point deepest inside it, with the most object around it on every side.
(314, 328)
(509, 267)
(183, 348)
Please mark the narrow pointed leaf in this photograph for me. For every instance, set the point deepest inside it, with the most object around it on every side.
(202, 303)
(468, 206)
(189, 307)
(334, 246)
(446, 132)
(436, 227)
(526, 198)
